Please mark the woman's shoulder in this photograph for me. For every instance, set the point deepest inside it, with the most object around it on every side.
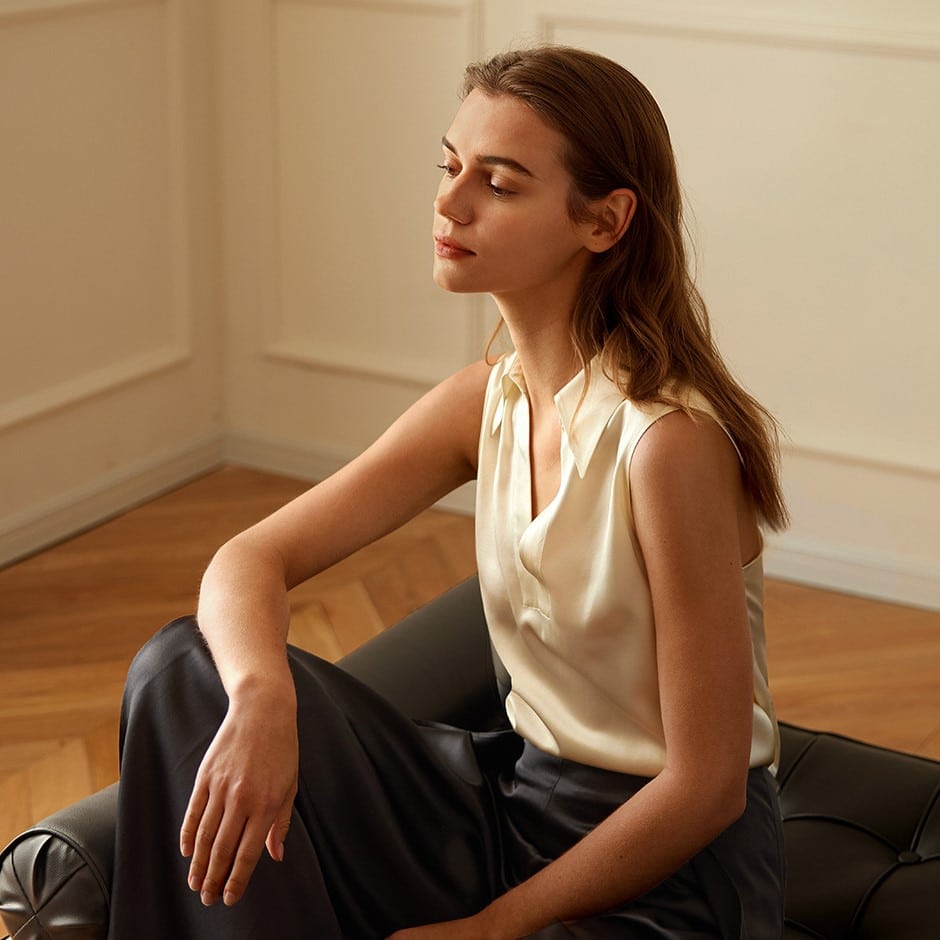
(465, 387)
(684, 452)
(688, 411)
(472, 378)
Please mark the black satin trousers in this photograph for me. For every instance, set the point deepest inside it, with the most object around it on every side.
(397, 823)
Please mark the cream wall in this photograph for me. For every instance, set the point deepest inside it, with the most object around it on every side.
(332, 115)
(220, 241)
(109, 322)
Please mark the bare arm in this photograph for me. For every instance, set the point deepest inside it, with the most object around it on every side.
(689, 512)
(247, 781)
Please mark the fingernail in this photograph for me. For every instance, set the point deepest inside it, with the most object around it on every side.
(229, 899)
(207, 898)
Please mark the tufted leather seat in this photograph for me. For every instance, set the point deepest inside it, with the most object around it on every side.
(862, 830)
(862, 823)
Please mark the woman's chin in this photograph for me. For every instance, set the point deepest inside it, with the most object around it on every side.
(451, 281)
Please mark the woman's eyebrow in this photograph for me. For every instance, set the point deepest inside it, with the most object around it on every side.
(492, 160)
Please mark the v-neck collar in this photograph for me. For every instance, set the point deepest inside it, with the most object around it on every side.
(583, 419)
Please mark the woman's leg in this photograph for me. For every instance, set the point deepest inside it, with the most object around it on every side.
(385, 831)
(173, 704)
(732, 890)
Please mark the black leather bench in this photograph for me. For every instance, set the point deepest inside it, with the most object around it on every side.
(862, 823)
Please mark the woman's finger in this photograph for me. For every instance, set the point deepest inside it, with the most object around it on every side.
(277, 834)
(227, 844)
(194, 812)
(203, 842)
(246, 858)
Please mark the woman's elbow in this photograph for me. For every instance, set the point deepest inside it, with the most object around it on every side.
(721, 798)
(732, 804)
(244, 563)
(715, 796)
(727, 797)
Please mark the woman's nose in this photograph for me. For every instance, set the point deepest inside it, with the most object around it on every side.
(451, 202)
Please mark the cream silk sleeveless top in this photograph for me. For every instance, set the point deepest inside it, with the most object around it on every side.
(566, 595)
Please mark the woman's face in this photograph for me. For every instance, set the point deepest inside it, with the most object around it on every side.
(501, 222)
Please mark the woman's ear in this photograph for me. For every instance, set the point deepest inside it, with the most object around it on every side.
(612, 218)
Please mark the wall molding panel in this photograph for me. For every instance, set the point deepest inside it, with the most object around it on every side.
(418, 7)
(18, 10)
(416, 372)
(856, 31)
(783, 229)
(89, 385)
(175, 348)
(899, 470)
(338, 344)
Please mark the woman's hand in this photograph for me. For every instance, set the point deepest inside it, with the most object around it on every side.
(243, 794)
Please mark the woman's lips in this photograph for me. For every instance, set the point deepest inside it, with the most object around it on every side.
(447, 248)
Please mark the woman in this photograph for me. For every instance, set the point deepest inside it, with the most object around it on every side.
(622, 476)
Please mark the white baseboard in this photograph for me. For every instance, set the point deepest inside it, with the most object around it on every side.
(304, 463)
(814, 561)
(26, 532)
(878, 577)
(860, 526)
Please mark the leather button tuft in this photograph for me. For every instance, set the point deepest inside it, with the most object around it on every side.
(908, 858)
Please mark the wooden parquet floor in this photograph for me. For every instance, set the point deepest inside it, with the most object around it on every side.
(72, 617)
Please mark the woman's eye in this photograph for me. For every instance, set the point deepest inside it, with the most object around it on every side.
(451, 171)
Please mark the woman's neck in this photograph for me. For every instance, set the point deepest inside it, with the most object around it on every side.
(547, 356)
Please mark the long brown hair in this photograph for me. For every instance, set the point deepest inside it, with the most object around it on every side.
(638, 309)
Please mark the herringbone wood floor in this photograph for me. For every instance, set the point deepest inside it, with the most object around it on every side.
(72, 617)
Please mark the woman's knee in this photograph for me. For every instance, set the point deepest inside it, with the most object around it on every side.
(166, 653)
(173, 692)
